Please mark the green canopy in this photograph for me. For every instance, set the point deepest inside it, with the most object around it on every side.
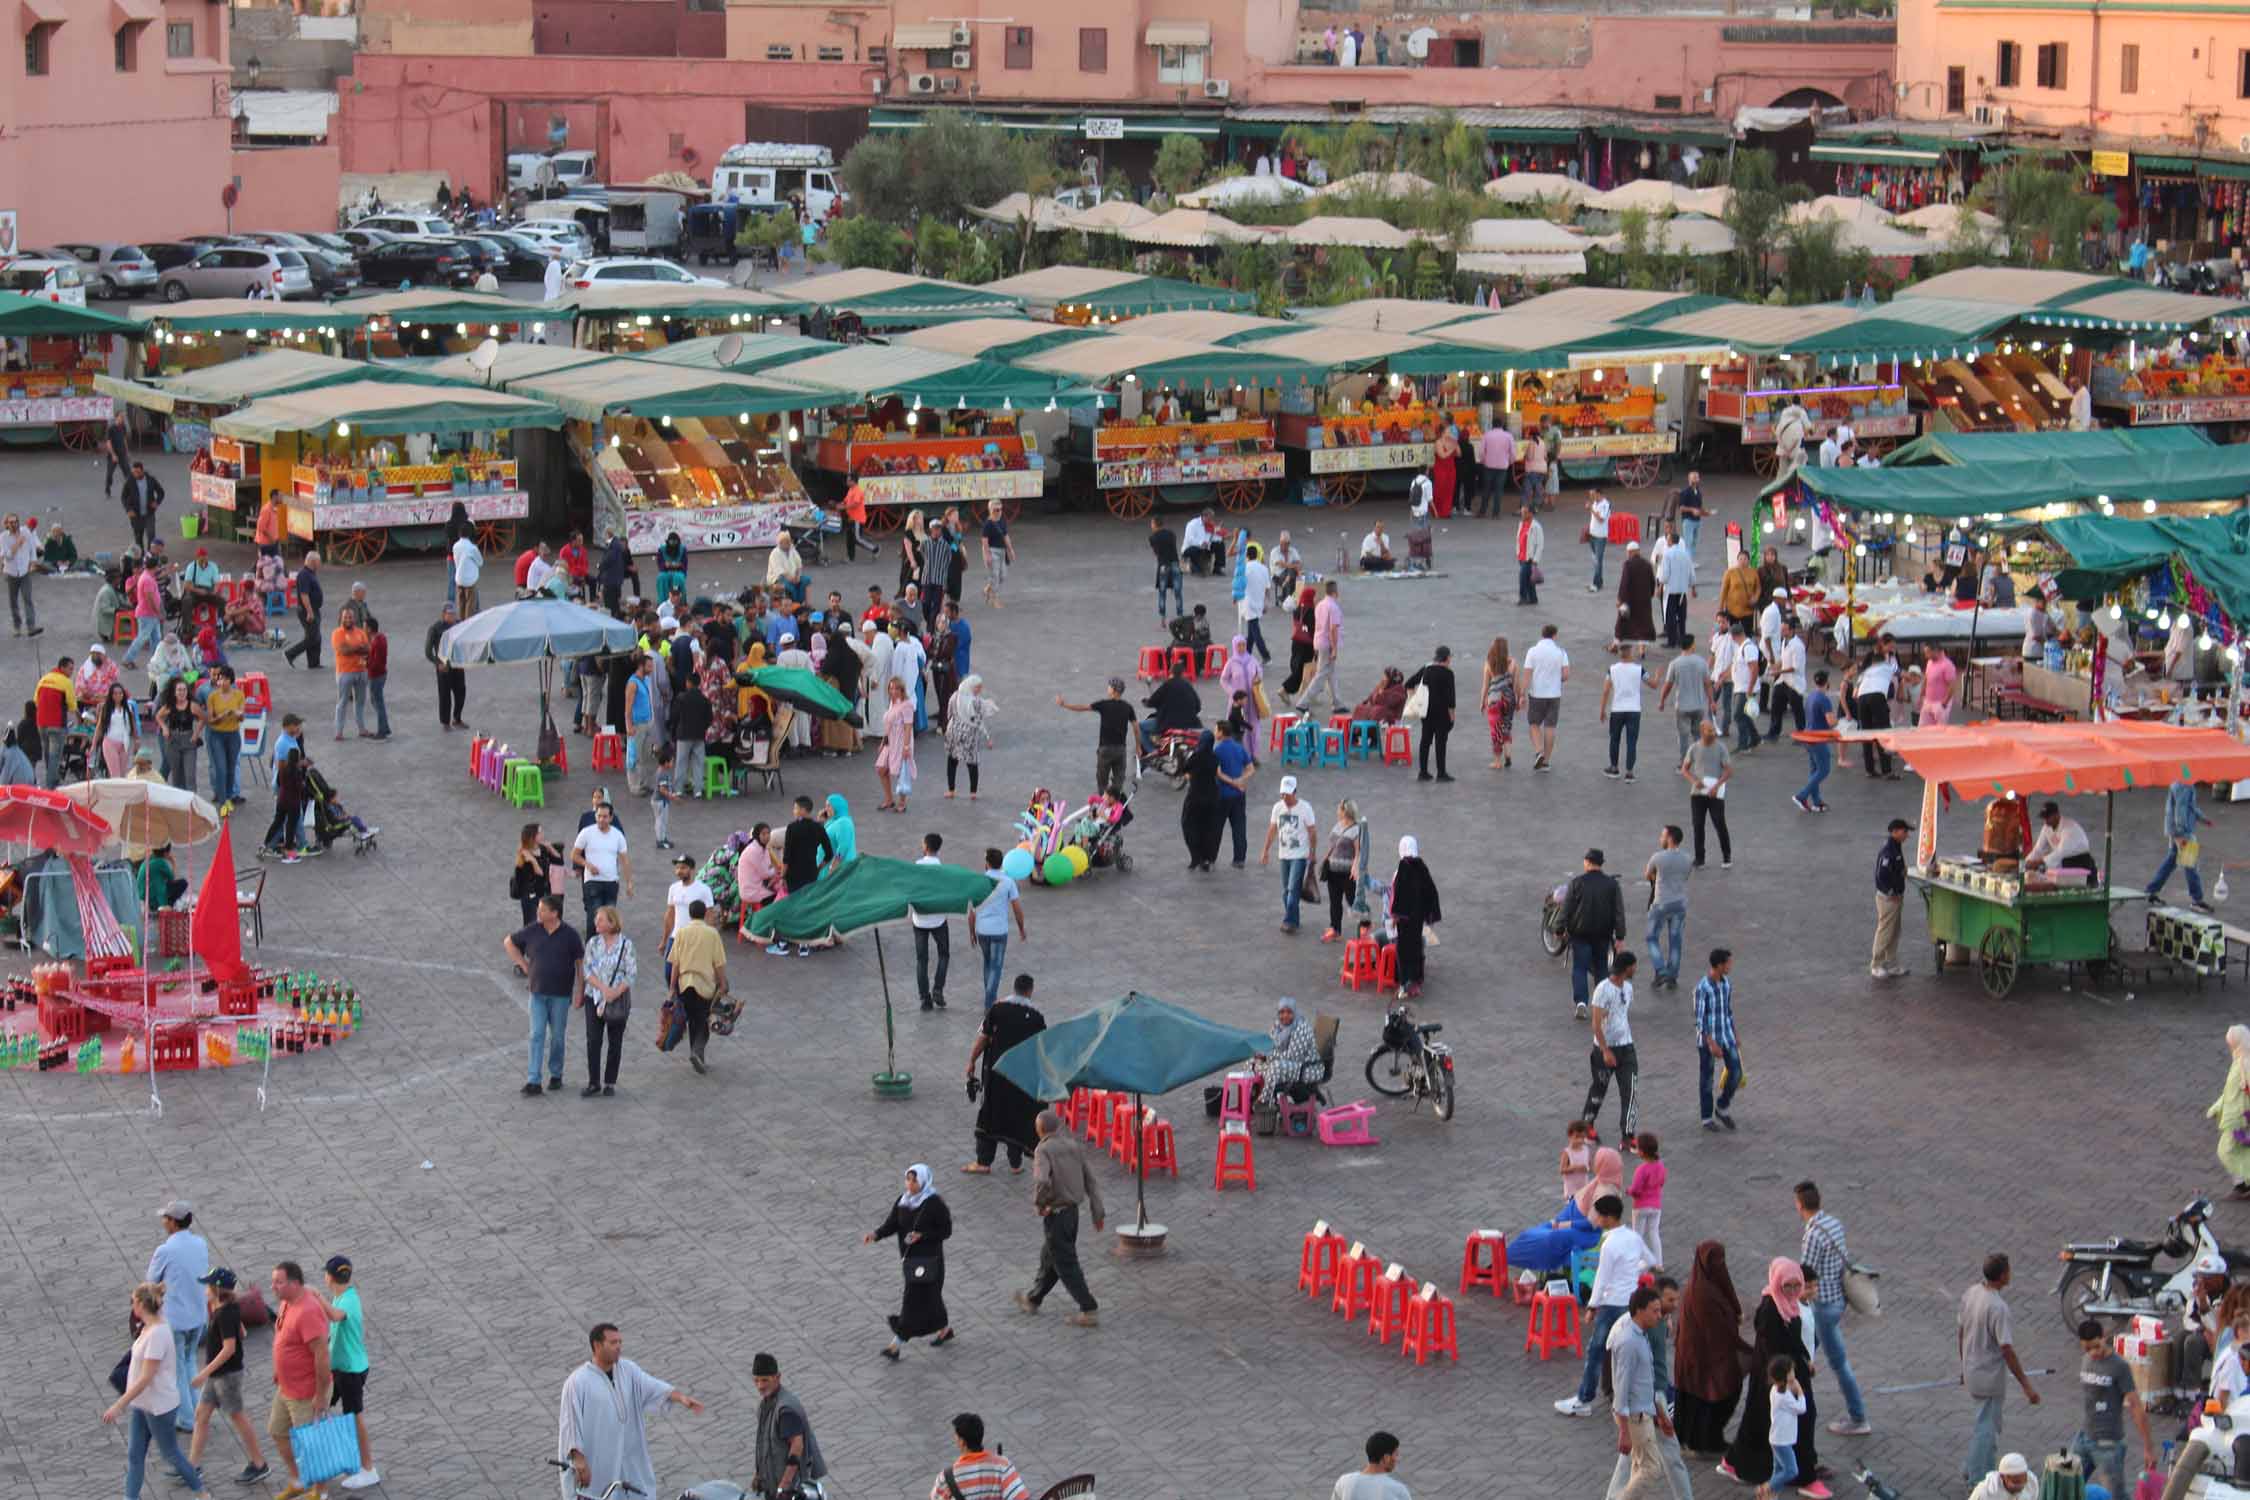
(36, 317)
(753, 351)
(799, 688)
(1877, 338)
(2003, 447)
(241, 314)
(872, 372)
(1161, 294)
(2107, 550)
(913, 302)
(430, 307)
(2214, 473)
(381, 409)
(270, 372)
(641, 388)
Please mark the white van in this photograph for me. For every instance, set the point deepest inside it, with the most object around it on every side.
(531, 172)
(573, 169)
(644, 223)
(52, 280)
(769, 173)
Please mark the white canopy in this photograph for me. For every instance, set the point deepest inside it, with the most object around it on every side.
(1534, 187)
(1227, 191)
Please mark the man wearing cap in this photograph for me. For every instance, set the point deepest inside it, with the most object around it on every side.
(94, 675)
(179, 1265)
(1296, 828)
(2010, 1479)
(603, 1433)
(347, 1360)
(220, 1376)
(199, 584)
(2061, 844)
(1594, 920)
(785, 1453)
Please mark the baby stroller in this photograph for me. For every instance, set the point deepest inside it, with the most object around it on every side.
(1099, 829)
(332, 820)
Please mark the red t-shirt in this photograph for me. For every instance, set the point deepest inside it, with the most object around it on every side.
(523, 568)
(573, 559)
(301, 1325)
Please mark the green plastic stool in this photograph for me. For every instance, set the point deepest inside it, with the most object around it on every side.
(718, 777)
(522, 784)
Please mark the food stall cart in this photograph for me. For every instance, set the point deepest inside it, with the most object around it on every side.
(1080, 296)
(2008, 917)
(433, 321)
(2201, 383)
(51, 354)
(374, 463)
(641, 317)
(868, 300)
(202, 332)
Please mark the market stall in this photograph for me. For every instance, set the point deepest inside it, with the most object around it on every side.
(638, 317)
(51, 354)
(372, 463)
(201, 332)
(2008, 916)
(869, 299)
(433, 321)
(1083, 295)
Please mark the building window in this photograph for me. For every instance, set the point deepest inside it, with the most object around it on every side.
(179, 39)
(831, 54)
(129, 46)
(2008, 71)
(2129, 69)
(879, 55)
(2053, 65)
(1181, 64)
(2242, 74)
(35, 50)
(780, 52)
(1956, 90)
(1019, 47)
(1093, 49)
(1668, 101)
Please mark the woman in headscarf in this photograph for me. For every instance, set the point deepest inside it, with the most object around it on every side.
(716, 677)
(1387, 702)
(1242, 674)
(1778, 1330)
(757, 879)
(2232, 1110)
(1773, 574)
(945, 673)
(1294, 1056)
(170, 659)
(785, 570)
(968, 729)
(1707, 1372)
(15, 766)
(921, 1223)
(671, 567)
(753, 703)
(1548, 1246)
(842, 664)
(894, 763)
(1414, 906)
(1636, 596)
(1301, 652)
(1007, 1116)
(843, 834)
(1202, 822)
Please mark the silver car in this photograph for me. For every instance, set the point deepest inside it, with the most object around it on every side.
(239, 271)
(113, 270)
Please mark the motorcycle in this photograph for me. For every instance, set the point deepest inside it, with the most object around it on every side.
(1407, 1062)
(2118, 1278)
(2219, 1450)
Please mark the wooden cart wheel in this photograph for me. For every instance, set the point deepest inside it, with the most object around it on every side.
(1132, 503)
(1239, 495)
(1345, 490)
(882, 520)
(1765, 460)
(1998, 957)
(81, 437)
(1635, 473)
(356, 549)
(495, 536)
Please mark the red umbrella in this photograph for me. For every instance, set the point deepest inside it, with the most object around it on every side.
(49, 820)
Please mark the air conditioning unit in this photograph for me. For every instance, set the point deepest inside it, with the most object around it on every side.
(1989, 114)
(881, 85)
(963, 59)
(961, 38)
(949, 85)
(920, 83)
(1216, 88)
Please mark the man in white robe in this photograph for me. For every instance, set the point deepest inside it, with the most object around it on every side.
(604, 1424)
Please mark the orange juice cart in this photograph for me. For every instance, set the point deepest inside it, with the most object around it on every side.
(51, 354)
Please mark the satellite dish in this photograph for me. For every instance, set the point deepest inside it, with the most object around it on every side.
(730, 350)
(485, 355)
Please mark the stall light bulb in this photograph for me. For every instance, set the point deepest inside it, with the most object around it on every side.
(1913, 537)
(1050, 403)
(1131, 378)
(1860, 550)
(1985, 540)
(1656, 371)
(917, 403)
(1800, 523)
(2022, 545)
(343, 429)
(793, 434)
(2152, 616)
(2037, 347)
(644, 320)
(2116, 613)
(2066, 346)
(461, 328)
(913, 418)
(2203, 641)
(667, 420)
(1484, 380)
(1007, 403)
(2148, 507)
(2164, 621)
(2195, 338)
(960, 403)
(734, 320)
(613, 440)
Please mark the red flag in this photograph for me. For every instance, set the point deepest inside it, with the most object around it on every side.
(215, 932)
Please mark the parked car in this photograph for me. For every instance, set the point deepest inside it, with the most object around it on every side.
(530, 172)
(333, 271)
(364, 240)
(569, 237)
(522, 259)
(614, 268)
(416, 262)
(239, 270)
(406, 224)
(165, 254)
(57, 277)
(114, 269)
(480, 256)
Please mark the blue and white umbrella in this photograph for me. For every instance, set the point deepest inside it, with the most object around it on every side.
(533, 630)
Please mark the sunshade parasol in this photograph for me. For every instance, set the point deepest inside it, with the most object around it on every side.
(872, 892)
(146, 814)
(542, 630)
(47, 819)
(799, 688)
(2116, 755)
(1135, 1043)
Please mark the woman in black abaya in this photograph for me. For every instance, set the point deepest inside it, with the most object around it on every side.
(922, 1224)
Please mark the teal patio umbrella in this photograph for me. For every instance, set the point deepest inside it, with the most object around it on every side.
(872, 892)
(1135, 1044)
(799, 688)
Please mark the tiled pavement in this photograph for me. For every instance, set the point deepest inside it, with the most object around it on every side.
(714, 1217)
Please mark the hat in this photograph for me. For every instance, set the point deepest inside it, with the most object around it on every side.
(203, 552)
(764, 1364)
(338, 1265)
(2012, 1465)
(1288, 784)
(867, 627)
(97, 649)
(2050, 809)
(144, 757)
(218, 1276)
(178, 1208)
(684, 859)
(1632, 546)
(1593, 856)
(1781, 593)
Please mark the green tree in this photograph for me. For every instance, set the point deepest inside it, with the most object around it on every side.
(2044, 214)
(765, 233)
(1179, 163)
(946, 165)
(862, 241)
(1447, 152)
(1818, 266)
(1755, 211)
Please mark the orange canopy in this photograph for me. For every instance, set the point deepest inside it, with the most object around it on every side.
(1992, 759)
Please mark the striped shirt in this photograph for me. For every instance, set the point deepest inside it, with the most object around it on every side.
(1823, 1257)
(980, 1476)
(1714, 1011)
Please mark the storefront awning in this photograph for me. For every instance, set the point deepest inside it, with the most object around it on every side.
(271, 373)
(2163, 163)
(2230, 171)
(1877, 156)
(242, 314)
(921, 38)
(1178, 34)
(44, 13)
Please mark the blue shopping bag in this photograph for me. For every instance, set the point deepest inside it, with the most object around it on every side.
(326, 1449)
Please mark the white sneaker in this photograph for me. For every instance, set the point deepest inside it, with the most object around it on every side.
(1571, 1406)
(364, 1479)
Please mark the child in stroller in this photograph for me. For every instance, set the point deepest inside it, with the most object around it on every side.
(1099, 829)
(331, 819)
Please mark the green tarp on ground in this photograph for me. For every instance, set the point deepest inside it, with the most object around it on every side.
(36, 317)
(1979, 489)
(2006, 447)
(2107, 550)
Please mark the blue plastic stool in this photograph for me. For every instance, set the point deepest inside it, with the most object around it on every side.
(1582, 1267)
(1364, 734)
(1297, 745)
(1332, 748)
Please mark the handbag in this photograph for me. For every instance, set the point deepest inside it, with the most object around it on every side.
(1860, 1291)
(668, 1016)
(1258, 697)
(1538, 575)
(121, 1372)
(558, 878)
(1308, 887)
(1417, 704)
(326, 1449)
(621, 1007)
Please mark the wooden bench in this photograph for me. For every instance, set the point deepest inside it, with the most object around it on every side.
(2015, 703)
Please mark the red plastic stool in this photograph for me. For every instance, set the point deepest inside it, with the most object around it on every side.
(1429, 1326)
(609, 751)
(1159, 1153)
(1235, 1163)
(1478, 1269)
(1355, 1282)
(476, 758)
(562, 756)
(1124, 1133)
(1386, 1319)
(1183, 655)
(1316, 1266)
(1097, 1129)
(1214, 660)
(1398, 745)
(1282, 723)
(122, 628)
(1152, 666)
(1342, 724)
(1362, 963)
(1072, 1109)
(1553, 1325)
(257, 692)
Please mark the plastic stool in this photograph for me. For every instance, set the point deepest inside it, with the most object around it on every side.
(718, 777)
(1346, 1125)
(562, 757)
(1316, 1266)
(1429, 1326)
(1398, 745)
(1152, 668)
(1214, 660)
(495, 762)
(1297, 745)
(1553, 1325)
(1363, 738)
(1183, 656)
(122, 628)
(1281, 724)
(1387, 1317)
(523, 785)
(1299, 1117)
(1355, 1282)
(609, 751)
(1481, 1270)
(1332, 748)
(1236, 1161)
(1159, 1152)
(1234, 1099)
(1101, 1104)
(1125, 1134)
(257, 692)
(476, 758)
(1362, 963)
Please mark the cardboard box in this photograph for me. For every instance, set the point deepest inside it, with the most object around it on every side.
(2152, 1374)
(2146, 1326)
(2134, 1350)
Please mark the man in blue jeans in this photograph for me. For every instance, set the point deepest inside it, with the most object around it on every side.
(1594, 921)
(553, 956)
(992, 925)
(1715, 1044)
(1295, 826)
(1166, 546)
(1823, 1258)
(1667, 874)
(1617, 1274)
(2181, 820)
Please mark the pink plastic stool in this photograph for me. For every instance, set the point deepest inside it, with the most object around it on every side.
(1234, 1099)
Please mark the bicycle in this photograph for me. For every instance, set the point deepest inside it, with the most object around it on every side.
(609, 1494)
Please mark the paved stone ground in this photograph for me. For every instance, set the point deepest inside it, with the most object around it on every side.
(713, 1217)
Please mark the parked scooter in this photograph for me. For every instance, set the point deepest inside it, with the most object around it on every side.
(2117, 1278)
